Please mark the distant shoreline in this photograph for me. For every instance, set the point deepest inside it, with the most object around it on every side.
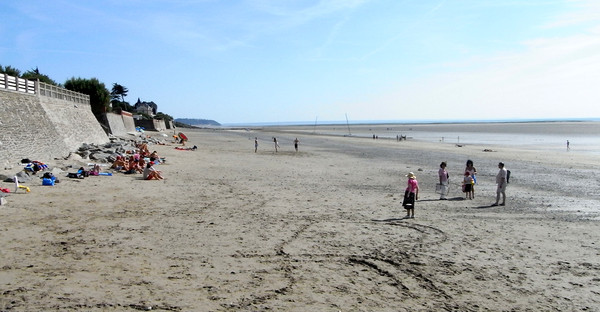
(400, 122)
(548, 136)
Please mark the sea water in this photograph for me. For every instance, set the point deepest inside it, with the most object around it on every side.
(583, 137)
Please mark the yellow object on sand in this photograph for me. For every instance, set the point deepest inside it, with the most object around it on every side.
(25, 187)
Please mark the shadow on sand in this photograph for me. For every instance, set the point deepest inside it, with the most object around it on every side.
(391, 219)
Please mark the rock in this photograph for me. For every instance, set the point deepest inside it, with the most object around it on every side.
(100, 156)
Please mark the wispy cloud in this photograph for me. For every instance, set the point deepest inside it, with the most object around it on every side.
(583, 12)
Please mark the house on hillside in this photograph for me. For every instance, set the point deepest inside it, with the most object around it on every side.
(149, 108)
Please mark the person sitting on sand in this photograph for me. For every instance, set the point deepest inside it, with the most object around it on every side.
(150, 173)
(129, 167)
(95, 170)
(118, 164)
(154, 157)
(143, 149)
(141, 163)
(136, 166)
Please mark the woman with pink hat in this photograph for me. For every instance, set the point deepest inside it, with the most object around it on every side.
(410, 195)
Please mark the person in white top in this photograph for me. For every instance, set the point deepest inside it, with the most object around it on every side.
(443, 175)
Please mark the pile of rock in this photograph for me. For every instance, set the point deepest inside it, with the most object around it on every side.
(104, 153)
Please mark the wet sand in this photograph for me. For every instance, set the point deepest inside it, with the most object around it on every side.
(320, 229)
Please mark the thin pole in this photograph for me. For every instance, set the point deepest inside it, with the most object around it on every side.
(348, 125)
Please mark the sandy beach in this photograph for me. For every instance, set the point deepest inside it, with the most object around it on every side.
(320, 229)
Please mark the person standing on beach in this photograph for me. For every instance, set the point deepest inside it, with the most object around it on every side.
(255, 144)
(443, 175)
(411, 194)
(501, 178)
(468, 185)
(472, 172)
(296, 141)
(568, 147)
(276, 144)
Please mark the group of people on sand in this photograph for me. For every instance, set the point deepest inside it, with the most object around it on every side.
(277, 147)
(140, 160)
(411, 193)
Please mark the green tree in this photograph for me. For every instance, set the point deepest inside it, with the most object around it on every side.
(11, 71)
(34, 74)
(119, 91)
(163, 116)
(116, 104)
(99, 95)
(117, 96)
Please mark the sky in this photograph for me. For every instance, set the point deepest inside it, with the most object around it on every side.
(261, 61)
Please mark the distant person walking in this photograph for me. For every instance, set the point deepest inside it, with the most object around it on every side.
(472, 172)
(276, 144)
(568, 147)
(411, 194)
(501, 180)
(443, 175)
(296, 141)
(255, 144)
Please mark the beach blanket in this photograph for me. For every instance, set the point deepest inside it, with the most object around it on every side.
(35, 166)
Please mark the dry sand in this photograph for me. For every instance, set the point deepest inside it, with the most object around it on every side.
(317, 230)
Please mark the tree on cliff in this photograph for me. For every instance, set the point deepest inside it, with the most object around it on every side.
(117, 95)
(11, 71)
(34, 74)
(119, 91)
(99, 95)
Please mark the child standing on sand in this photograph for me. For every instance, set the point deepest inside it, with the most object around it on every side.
(410, 195)
(468, 185)
(473, 172)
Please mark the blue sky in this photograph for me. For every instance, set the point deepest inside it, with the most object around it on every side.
(247, 61)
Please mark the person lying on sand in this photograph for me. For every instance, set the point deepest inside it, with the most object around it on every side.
(187, 148)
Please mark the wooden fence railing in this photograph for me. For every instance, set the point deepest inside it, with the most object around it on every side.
(41, 89)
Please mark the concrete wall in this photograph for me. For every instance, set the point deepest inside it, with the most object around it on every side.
(128, 121)
(151, 125)
(43, 128)
(120, 124)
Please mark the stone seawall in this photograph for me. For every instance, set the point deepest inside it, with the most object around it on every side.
(151, 125)
(120, 124)
(43, 128)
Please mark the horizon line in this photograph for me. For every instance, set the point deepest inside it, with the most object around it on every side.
(407, 121)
